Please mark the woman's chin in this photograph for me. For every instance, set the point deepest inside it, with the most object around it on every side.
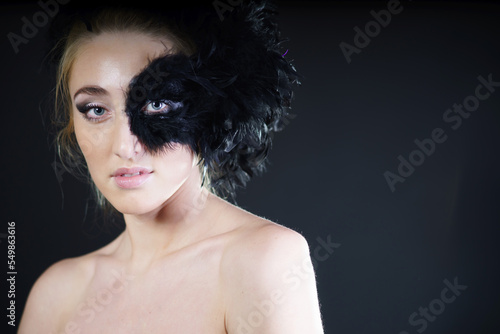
(136, 207)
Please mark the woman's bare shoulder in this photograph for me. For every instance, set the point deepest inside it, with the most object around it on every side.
(267, 268)
(259, 243)
(56, 287)
(68, 273)
(253, 233)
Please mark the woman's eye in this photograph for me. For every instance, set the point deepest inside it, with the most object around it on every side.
(98, 111)
(92, 112)
(154, 107)
(95, 114)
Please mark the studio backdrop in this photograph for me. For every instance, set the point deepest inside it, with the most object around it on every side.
(388, 163)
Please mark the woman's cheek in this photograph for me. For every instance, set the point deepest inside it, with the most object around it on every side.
(91, 138)
(175, 165)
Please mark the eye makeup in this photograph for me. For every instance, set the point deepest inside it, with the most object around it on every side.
(161, 107)
(92, 112)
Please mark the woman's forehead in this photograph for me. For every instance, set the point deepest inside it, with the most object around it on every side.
(113, 59)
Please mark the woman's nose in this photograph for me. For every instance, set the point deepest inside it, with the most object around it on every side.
(125, 143)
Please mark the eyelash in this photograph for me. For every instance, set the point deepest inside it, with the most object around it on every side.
(169, 106)
(85, 109)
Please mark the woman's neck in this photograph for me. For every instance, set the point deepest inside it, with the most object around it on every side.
(185, 218)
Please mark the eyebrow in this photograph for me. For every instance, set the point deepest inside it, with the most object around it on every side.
(91, 90)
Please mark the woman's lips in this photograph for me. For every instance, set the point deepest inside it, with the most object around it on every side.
(129, 178)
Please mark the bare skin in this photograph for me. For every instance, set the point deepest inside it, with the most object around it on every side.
(188, 261)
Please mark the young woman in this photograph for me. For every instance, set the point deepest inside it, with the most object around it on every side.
(164, 123)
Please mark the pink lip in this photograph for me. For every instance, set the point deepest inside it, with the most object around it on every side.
(129, 178)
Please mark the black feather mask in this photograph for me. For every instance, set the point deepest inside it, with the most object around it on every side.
(225, 101)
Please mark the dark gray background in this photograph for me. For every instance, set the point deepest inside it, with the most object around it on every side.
(326, 174)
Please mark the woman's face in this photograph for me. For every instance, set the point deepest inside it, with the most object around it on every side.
(133, 180)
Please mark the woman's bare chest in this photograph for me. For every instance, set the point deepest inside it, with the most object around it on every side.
(170, 299)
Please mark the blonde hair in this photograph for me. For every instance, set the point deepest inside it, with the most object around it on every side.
(107, 20)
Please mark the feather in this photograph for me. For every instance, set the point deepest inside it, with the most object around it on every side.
(226, 100)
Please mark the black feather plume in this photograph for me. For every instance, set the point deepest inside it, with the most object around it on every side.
(226, 100)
